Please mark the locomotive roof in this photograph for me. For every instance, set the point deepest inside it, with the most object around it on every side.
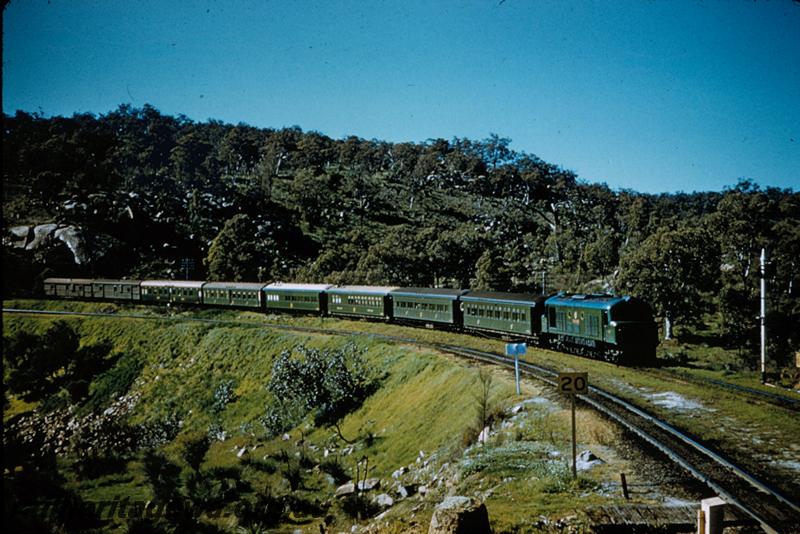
(67, 281)
(597, 302)
(234, 285)
(113, 281)
(444, 292)
(173, 283)
(288, 286)
(364, 290)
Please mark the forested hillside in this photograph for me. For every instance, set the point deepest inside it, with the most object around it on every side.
(136, 193)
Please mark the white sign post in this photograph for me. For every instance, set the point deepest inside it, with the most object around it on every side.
(573, 384)
(515, 350)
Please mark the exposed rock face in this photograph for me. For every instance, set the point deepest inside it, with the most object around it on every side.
(34, 237)
(41, 234)
(460, 515)
(72, 238)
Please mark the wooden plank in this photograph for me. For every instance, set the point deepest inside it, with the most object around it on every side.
(644, 515)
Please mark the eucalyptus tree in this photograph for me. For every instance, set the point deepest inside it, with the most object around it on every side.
(674, 270)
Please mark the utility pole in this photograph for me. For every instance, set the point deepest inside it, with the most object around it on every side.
(763, 316)
(187, 264)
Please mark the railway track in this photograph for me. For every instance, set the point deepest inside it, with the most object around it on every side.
(765, 396)
(768, 506)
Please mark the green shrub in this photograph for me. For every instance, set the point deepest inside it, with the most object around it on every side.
(356, 505)
(265, 466)
(34, 361)
(162, 475)
(114, 382)
(333, 466)
(212, 488)
(293, 474)
(194, 449)
(326, 383)
(261, 510)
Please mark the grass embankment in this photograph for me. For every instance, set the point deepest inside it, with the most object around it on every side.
(426, 402)
(760, 435)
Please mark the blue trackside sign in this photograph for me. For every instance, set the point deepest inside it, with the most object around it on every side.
(516, 349)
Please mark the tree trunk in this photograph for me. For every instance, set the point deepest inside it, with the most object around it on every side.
(667, 327)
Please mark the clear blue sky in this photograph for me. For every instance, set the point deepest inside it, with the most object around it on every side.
(650, 95)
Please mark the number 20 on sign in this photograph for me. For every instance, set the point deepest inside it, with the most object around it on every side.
(573, 383)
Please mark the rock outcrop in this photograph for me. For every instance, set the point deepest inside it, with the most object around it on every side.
(460, 515)
(35, 237)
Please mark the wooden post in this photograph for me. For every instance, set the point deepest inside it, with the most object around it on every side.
(573, 384)
(574, 445)
(516, 371)
(358, 466)
(624, 486)
(713, 513)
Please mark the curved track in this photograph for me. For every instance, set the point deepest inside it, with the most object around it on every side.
(765, 396)
(766, 505)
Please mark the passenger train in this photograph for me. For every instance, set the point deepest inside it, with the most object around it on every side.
(620, 330)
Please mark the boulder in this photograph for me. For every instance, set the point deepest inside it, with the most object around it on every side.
(404, 490)
(587, 460)
(460, 515)
(369, 484)
(401, 491)
(383, 501)
(18, 236)
(400, 472)
(345, 489)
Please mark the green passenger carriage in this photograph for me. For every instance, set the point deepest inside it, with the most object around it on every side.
(116, 289)
(68, 287)
(172, 291)
(281, 296)
(507, 313)
(360, 301)
(427, 305)
(233, 294)
(155, 291)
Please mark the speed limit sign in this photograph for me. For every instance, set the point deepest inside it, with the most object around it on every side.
(573, 383)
